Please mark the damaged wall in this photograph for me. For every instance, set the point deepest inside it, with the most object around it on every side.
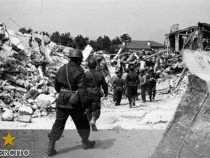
(187, 134)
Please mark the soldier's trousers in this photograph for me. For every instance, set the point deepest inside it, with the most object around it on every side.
(152, 93)
(94, 108)
(80, 120)
(151, 88)
(132, 93)
(143, 92)
(117, 95)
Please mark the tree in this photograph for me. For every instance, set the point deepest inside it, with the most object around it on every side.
(29, 31)
(80, 42)
(45, 33)
(24, 30)
(103, 43)
(66, 40)
(56, 37)
(94, 45)
(116, 41)
(125, 38)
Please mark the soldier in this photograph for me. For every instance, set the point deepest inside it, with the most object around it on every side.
(118, 85)
(95, 80)
(102, 66)
(70, 80)
(151, 85)
(143, 85)
(132, 82)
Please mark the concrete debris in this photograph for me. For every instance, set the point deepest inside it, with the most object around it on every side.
(7, 115)
(44, 113)
(24, 118)
(28, 64)
(25, 110)
(2, 104)
(45, 98)
(37, 113)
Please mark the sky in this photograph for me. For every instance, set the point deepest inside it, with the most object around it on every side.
(141, 19)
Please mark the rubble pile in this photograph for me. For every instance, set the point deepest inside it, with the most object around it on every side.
(171, 63)
(162, 61)
(26, 82)
(29, 62)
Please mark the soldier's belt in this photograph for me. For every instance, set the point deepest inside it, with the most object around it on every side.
(67, 90)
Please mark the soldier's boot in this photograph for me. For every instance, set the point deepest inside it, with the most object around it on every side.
(51, 148)
(93, 124)
(143, 98)
(87, 144)
(130, 103)
(153, 96)
(150, 98)
(134, 101)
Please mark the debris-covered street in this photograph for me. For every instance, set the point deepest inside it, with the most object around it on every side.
(149, 115)
(122, 132)
(105, 78)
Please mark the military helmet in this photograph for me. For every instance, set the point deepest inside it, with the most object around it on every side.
(76, 53)
(131, 67)
(92, 63)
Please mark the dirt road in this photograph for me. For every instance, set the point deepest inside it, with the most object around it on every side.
(123, 132)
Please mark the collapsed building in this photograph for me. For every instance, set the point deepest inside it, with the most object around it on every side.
(187, 135)
(193, 37)
(28, 64)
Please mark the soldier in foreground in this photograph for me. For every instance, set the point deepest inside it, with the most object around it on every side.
(70, 84)
(95, 80)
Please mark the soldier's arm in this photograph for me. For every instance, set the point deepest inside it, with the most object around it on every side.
(56, 83)
(138, 80)
(104, 86)
(127, 80)
(143, 80)
(114, 82)
(81, 87)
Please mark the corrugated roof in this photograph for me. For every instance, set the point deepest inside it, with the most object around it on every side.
(137, 44)
(140, 44)
(134, 44)
(181, 30)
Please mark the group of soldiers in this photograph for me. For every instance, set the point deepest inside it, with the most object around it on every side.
(130, 81)
(79, 97)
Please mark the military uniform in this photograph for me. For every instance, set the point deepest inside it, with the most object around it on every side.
(95, 80)
(132, 82)
(70, 78)
(143, 86)
(64, 109)
(151, 85)
(118, 85)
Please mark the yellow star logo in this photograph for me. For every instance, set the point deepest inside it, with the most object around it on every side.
(8, 139)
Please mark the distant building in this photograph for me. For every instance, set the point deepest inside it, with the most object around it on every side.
(142, 45)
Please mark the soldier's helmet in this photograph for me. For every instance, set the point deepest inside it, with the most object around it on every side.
(131, 67)
(92, 63)
(75, 53)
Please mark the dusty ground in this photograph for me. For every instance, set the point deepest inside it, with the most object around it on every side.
(149, 115)
(123, 132)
